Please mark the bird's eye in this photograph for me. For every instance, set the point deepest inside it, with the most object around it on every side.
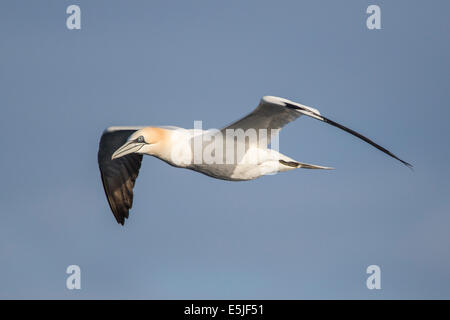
(140, 139)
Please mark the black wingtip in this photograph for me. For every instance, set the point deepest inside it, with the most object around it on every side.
(118, 175)
(120, 218)
(409, 165)
(360, 136)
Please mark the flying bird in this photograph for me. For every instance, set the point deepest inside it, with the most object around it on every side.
(121, 150)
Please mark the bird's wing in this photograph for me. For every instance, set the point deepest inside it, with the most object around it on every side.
(118, 175)
(273, 113)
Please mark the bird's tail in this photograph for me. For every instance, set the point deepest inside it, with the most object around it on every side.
(296, 164)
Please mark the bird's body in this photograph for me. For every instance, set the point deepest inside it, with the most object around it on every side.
(268, 162)
(237, 152)
(255, 162)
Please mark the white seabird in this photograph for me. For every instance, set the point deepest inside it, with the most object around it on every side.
(121, 149)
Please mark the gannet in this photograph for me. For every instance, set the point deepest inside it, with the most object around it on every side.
(121, 150)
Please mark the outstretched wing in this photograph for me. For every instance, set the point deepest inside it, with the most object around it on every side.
(118, 175)
(270, 114)
(274, 113)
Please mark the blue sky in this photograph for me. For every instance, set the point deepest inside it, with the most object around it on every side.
(298, 235)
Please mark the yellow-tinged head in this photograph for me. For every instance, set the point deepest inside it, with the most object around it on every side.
(148, 140)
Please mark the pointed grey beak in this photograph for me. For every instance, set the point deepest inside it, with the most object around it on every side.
(127, 148)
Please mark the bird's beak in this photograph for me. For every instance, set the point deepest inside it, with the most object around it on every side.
(127, 148)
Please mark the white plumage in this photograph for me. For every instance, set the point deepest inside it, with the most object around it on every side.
(238, 151)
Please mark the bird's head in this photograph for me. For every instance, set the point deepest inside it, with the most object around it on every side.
(146, 140)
